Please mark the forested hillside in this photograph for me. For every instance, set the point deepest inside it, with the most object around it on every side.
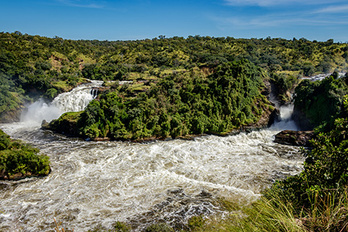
(34, 66)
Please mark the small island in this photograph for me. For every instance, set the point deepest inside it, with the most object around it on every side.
(234, 96)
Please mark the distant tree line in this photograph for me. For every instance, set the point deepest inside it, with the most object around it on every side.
(34, 66)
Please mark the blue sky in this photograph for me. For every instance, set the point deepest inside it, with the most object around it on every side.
(139, 19)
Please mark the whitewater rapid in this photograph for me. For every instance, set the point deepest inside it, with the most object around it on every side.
(99, 183)
(104, 182)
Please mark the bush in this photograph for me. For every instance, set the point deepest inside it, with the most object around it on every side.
(120, 227)
(196, 223)
(18, 158)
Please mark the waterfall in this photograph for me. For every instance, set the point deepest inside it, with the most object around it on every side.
(73, 101)
(77, 99)
(286, 122)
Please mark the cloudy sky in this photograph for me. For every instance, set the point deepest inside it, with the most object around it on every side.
(139, 19)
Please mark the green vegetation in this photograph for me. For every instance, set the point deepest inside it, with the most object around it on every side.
(160, 227)
(34, 66)
(18, 160)
(117, 227)
(285, 84)
(187, 86)
(180, 105)
(321, 101)
(67, 124)
(266, 215)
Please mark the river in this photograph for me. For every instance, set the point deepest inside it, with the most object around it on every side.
(99, 183)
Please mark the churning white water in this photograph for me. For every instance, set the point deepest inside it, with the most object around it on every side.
(99, 183)
(286, 121)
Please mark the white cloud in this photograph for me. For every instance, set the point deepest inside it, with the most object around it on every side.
(333, 9)
(81, 4)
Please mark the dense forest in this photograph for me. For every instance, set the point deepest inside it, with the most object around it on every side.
(321, 101)
(32, 66)
(179, 105)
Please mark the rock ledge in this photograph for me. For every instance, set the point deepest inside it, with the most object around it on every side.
(294, 138)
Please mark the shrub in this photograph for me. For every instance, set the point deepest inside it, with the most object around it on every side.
(19, 158)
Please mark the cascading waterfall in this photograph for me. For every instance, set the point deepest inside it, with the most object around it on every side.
(73, 101)
(78, 98)
(286, 122)
(99, 183)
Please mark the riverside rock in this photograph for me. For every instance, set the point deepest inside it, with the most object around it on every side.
(294, 138)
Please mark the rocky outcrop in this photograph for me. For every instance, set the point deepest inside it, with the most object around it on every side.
(274, 117)
(294, 138)
(11, 115)
(268, 118)
(66, 124)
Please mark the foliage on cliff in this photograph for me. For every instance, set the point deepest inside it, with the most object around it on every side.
(321, 101)
(65, 124)
(179, 105)
(37, 66)
(18, 160)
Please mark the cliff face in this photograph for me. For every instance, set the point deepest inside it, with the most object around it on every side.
(11, 116)
(267, 119)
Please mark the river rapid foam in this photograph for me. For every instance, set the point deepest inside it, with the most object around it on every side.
(99, 183)
(104, 182)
